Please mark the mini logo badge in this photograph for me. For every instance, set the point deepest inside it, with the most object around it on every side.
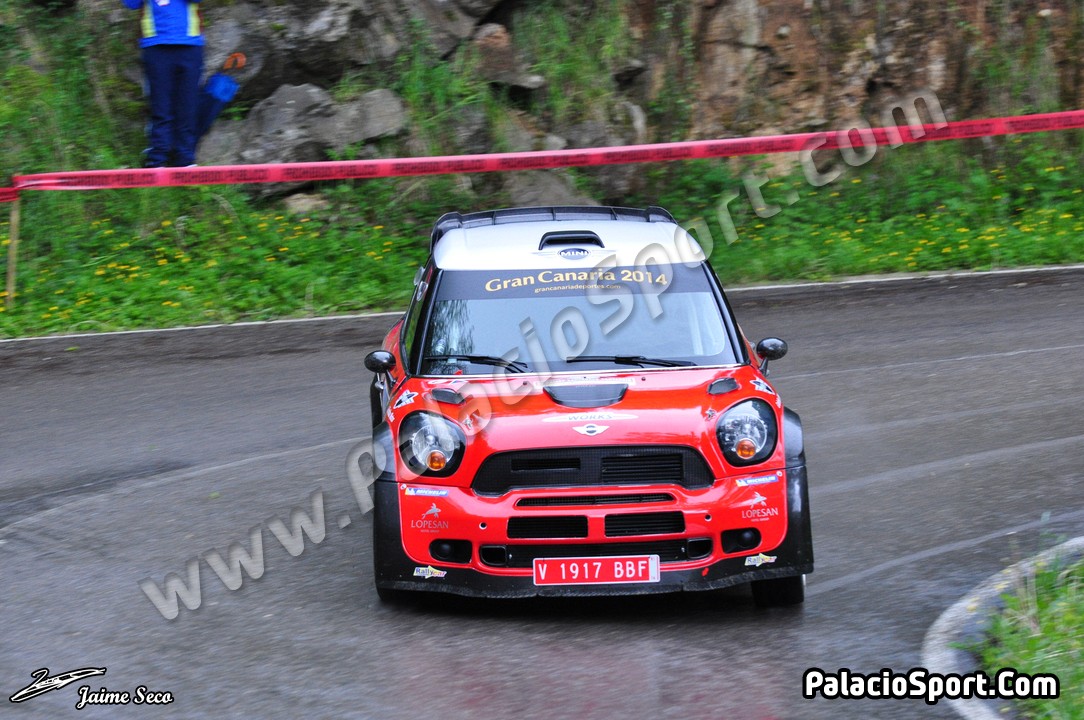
(429, 572)
(591, 429)
(574, 253)
(754, 560)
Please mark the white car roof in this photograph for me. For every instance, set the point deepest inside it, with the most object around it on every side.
(522, 244)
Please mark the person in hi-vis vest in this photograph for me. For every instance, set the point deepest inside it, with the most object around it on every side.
(172, 47)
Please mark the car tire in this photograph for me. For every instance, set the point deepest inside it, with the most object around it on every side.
(779, 592)
(390, 596)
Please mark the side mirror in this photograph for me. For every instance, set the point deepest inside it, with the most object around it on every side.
(379, 362)
(770, 348)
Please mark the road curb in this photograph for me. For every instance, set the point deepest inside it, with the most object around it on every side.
(965, 623)
(911, 282)
(366, 331)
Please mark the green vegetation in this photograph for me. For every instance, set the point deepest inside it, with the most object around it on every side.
(913, 208)
(1042, 631)
(148, 258)
(576, 48)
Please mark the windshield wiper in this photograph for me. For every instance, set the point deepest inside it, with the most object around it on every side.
(516, 365)
(630, 360)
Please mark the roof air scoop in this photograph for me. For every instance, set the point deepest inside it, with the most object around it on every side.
(560, 238)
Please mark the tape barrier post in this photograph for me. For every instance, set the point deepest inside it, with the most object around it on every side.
(13, 253)
(544, 160)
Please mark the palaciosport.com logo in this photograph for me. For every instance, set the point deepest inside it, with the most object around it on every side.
(1006, 684)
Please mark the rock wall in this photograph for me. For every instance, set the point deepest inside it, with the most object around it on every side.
(708, 68)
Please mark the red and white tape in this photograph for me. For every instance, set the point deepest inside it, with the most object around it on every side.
(540, 160)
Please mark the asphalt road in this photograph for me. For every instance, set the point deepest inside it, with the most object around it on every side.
(944, 443)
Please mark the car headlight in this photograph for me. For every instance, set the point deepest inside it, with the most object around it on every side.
(747, 432)
(431, 445)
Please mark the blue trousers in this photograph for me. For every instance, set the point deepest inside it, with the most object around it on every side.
(173, 73)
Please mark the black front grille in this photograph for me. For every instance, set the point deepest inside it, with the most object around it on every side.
(592, 466)
(586, 500)
(523, 556)
(628, 468)
(559, 526)
(661, 523)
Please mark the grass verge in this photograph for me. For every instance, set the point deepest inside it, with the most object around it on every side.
(1041, 630)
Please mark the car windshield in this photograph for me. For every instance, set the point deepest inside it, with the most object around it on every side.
(560, 320)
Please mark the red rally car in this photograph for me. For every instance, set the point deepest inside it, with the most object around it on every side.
(568, 407)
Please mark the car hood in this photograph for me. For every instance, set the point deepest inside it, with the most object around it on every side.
(675, 406)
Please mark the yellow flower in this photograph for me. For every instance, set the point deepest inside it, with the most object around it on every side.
(167, 223)
(378, 227)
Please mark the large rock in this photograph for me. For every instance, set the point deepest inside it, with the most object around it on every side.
(498, 62)
(301, 123)
(543, 187)
(318, 41)
(376, 114)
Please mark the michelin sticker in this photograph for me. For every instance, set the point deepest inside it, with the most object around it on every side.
(425, 492)
(758, 480)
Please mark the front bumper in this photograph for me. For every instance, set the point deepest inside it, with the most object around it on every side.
(396, 570)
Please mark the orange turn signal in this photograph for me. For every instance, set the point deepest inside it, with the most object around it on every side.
(436, 460)
(746, 448)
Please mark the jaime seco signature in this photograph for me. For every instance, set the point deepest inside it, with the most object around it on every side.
(43, 683)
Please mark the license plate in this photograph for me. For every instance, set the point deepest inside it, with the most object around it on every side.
(596, 570)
